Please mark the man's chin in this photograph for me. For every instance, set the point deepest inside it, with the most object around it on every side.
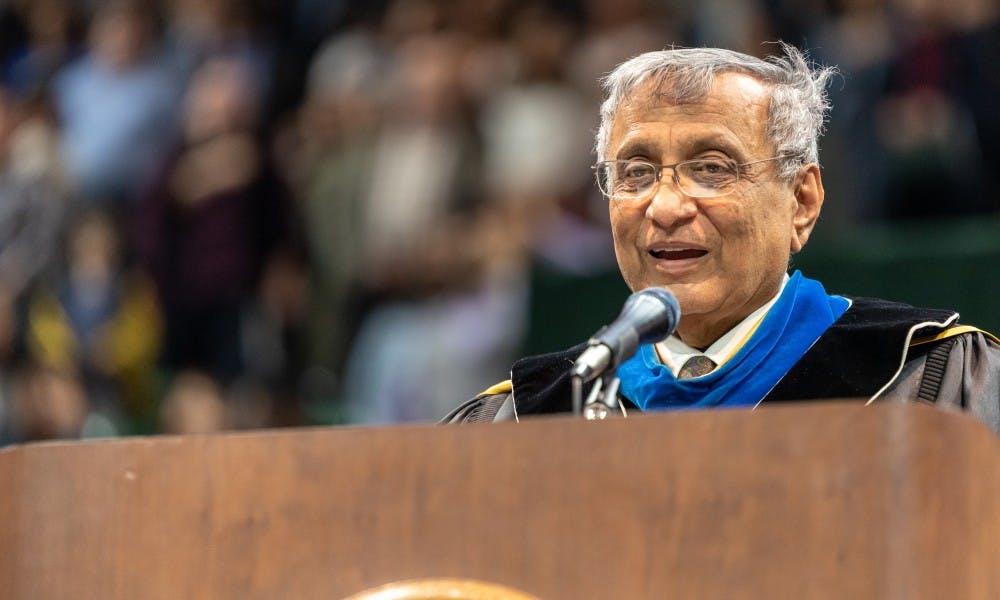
(693, 297)
(697, 304)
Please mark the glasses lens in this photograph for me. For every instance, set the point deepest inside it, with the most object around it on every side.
(708, 177)
(626, 178)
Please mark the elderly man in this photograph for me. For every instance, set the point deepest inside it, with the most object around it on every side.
(709, 162)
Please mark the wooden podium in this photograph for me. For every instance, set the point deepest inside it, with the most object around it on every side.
(821, 500)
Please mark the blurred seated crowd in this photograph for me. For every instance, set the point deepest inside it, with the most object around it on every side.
(230, 214)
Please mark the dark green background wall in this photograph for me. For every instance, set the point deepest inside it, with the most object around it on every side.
(944, 264)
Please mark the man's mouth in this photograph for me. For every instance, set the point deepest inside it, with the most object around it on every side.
(677, 253)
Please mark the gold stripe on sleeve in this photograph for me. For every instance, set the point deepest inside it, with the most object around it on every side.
(504, 387)
(952, 332)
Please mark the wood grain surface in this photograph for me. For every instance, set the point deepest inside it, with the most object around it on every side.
(800, 501)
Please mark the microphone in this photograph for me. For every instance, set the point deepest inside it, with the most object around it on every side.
(648, 316)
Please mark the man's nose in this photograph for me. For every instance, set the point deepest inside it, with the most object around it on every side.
(669, 203)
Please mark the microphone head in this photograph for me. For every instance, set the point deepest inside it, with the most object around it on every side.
(655, 313)
(648, 316)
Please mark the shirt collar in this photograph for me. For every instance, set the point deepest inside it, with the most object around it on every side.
(674, 353)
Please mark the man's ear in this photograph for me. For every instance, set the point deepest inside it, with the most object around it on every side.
(808, 192)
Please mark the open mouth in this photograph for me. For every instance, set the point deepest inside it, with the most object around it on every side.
(678, 254)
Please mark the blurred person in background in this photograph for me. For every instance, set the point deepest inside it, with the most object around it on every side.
(533, 146)
(33, 207)
(914, 120)
(976, 85)
(198, 30)
(926, 131)
(745, 24)
(209, 221)
(51, 42)
(434, 248)
(274, 345)
(45, 404)
(193, 405)
(116, 104)
(98, 323)
(536, 167)
(615, 31)
(536, 153)
(331, 165)
(858, 36)
(425, 166)
(12, 29)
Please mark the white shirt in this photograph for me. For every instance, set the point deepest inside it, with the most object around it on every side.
(674, 353)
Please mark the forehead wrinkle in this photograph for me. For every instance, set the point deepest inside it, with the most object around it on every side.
(736, 108)
(683, 140)
(638, 142)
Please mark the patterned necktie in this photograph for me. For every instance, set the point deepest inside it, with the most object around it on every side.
(696, 366)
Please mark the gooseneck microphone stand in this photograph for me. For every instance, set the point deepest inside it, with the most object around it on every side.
(648, 316)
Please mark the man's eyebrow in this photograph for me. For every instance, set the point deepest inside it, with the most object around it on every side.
(696, 144)
(638, 148)
(722, 143)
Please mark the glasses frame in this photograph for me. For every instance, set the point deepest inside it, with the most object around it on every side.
(676, 178)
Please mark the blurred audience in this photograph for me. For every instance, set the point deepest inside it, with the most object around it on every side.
(198, 30)
(33, 201)
(328, 155)
(99, 324)
(193, 405)
(222, 214)
(116, 103)
(47, 404)
(208, 221)
(52, 40)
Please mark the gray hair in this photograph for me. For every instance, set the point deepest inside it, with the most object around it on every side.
(796, 115)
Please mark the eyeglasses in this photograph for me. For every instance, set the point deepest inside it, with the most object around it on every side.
(700, 178)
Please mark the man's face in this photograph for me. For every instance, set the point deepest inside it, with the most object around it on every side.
(722, 257)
